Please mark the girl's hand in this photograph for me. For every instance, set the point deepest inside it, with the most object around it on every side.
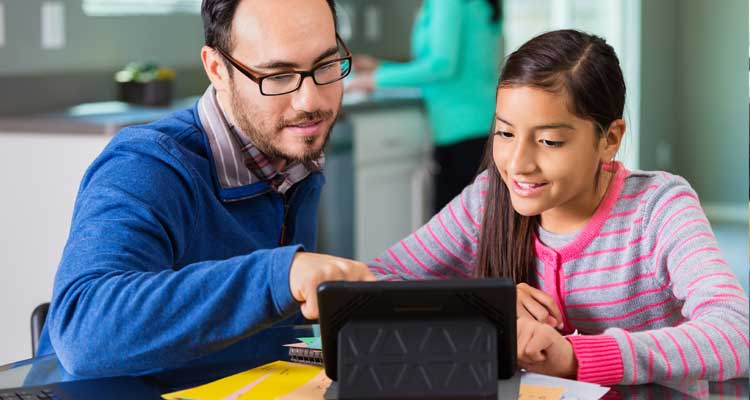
(362, 63)
(544, 350)
(534, 304)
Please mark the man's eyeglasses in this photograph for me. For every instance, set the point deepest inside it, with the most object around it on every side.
(280, 83)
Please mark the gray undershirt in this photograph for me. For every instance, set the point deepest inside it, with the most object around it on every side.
(556, 240)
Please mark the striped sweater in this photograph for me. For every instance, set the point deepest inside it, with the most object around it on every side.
(643, 283)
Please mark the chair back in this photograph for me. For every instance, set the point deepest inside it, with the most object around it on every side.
(38, 316)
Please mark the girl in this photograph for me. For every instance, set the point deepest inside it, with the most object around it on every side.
(625, 258)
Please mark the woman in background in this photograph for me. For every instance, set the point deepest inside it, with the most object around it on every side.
(455, 56)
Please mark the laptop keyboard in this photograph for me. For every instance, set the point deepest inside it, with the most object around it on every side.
(28, 394)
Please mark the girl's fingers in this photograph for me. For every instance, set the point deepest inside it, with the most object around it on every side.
(527, 330)
(521, 312)
(532, 352)
(537, 304)
(536, 310)
(539, 342)
(548, 303)
(551, 321)
(523, 334)
(540, 313)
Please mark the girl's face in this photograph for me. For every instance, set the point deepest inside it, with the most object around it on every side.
(549, 158)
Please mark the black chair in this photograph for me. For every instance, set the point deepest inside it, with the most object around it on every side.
(38, 316)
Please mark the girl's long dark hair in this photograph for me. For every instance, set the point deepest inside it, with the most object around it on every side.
(585, 69)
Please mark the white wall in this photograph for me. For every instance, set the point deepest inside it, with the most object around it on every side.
(39, 177)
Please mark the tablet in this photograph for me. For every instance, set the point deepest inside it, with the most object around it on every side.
(433, 300)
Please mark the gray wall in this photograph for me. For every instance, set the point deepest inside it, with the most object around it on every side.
(107, 43)
(397, 17)
(658, 83)
(711, 139)
(36, 80)
(96, 43)
(695, 95)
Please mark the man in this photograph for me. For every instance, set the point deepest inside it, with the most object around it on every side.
(189, 235)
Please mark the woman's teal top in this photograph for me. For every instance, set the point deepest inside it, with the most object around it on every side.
(456, 60)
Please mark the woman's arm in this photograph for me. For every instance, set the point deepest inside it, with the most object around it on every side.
(442, 60)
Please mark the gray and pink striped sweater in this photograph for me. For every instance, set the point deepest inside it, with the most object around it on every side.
(643, 283)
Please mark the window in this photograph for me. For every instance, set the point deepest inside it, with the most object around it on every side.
(140, 7)
(617, 21)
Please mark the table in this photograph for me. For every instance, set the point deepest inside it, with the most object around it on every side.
(46, 370)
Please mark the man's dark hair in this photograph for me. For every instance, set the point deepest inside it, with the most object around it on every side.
(217, 22)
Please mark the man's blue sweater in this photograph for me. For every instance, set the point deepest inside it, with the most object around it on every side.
(166, 270)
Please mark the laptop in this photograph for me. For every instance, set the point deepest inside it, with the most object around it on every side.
(121, 388)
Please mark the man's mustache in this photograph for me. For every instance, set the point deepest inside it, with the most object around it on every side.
(303, 117)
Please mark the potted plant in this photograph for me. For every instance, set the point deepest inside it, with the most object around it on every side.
(145, 84)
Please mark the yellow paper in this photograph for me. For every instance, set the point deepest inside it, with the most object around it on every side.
(270, 381)
(531, 392)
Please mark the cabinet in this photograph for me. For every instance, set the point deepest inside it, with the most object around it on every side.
(392, 152)
(40, 179)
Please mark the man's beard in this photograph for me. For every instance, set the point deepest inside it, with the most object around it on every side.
(264, 137)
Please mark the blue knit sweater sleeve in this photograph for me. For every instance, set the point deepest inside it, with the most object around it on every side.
(119, 305)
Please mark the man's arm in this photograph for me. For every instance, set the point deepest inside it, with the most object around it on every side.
(119, 306)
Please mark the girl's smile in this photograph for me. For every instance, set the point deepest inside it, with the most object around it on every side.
(528, 189)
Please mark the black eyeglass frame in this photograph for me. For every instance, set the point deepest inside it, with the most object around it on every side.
(258, 79)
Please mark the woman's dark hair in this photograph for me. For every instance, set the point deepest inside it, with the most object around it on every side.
(585, 69)
(497, 10)
(217, 21)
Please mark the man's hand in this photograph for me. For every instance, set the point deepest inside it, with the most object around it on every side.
(310, 269)
(535, 304)
(544, 350)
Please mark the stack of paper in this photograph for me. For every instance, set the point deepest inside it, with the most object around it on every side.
(307, 351)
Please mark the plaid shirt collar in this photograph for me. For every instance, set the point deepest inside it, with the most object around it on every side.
(238, 161)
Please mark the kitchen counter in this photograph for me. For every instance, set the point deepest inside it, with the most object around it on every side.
(107, 118)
